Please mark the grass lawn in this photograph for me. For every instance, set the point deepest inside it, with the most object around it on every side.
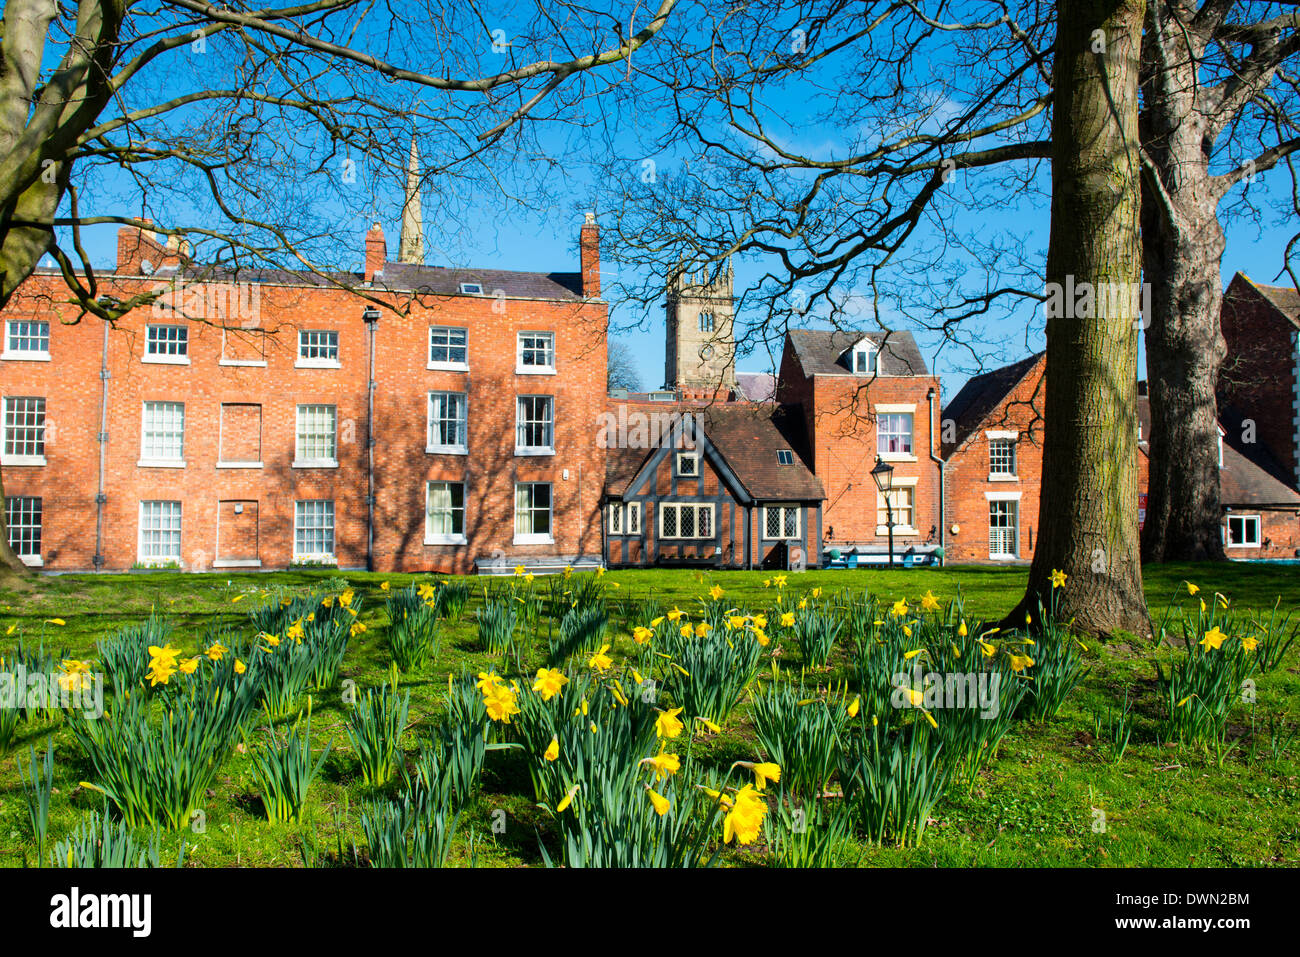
(1041, 801)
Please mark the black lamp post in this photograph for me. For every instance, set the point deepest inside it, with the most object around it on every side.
(883, 474)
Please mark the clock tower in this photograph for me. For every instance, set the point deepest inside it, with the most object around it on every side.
(700, 357)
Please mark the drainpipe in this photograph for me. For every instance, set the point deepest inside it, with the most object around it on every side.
(939, 462)
(371, 318)
(102, 439)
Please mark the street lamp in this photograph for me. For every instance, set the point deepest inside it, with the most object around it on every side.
(883, 474)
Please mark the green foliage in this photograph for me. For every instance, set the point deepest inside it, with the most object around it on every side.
(284, 770)
(816, 631)
(413, 635)
(412, 831)
(38, 783)
(892, 780)
(98, 841)
(156, 766)
(375, 728)
(800, 730)
(581, 632)
(709, 675)
(496, 626)
(124, 654)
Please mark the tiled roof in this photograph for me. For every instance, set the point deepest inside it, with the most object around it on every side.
(1284, 298)
(981, 395)
(1249, 477)
(821, 351)
(748, 437)
(756, 386)
(401, 277)
(440, 281)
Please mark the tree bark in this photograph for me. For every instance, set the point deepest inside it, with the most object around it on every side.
(1088, 507)
(1182, 248)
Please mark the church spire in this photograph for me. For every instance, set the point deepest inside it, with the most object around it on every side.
(411, 247)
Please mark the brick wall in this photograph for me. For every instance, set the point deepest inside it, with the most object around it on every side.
(843, 413)
(241, 388)
(1258, 377)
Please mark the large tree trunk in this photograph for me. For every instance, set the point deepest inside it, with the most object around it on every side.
(1182, 248)
(1089, 523)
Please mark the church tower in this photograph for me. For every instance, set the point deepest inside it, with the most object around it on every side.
(701, 348)
(411, 246)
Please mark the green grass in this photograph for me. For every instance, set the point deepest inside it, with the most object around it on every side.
(1035, 804)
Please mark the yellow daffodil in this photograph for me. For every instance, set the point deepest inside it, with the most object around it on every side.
(715, 592)
(600, 661)
(667, 725)
(900, 608)
(1020, 662)
(787, 619)
(642, 634)
(764, 772)
(1192, 589)
(854, 705)
(240, 667)
(1249, 642)
(552, 750)
(383, 586)
(708, 724)
(702, 629)
(549, 682)
(1213, 639)
(1058, 578)
(745, 819)
(661, 804)
(189, 665)
(216, 650)
(929, 602)
(675, 614)
(160, 671)
(500, 704)
(566, 800)
(663, 765)
(961, 629)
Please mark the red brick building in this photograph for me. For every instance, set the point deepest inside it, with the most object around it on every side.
(232, 423)
(993, 431)
(866, 397)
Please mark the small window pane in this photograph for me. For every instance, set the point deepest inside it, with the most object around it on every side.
(160, 531)
(164, 431)
(167, 341)
(316, 433)
(448, 345)
(28, 335)
(23, 517)
(313, 528)
(319, 345)
(24, 425)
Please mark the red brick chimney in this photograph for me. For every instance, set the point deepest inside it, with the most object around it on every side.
(589, 243)
(135, 246)
(376, 251)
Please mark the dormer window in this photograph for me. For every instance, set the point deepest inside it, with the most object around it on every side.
(865, 358)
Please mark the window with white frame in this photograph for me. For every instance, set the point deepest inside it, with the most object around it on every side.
(1244, 531)
(536, 352)
(866, 358)
(685, 520)
(27, 339)
(313, 529)
(706, 322)
(902, 501)
(784, 457)
(534, 425)
(448, 422)
(318, 348)
(160, 533)
(445, 514)
(448, 348)
(780, 521)
(532, 513)
(162, 435)
(24, 430)
(894, 433)
(316, 436)
(1002, 457)
(624, 518)
(1004, 529)
(23, 518)
(167, 343)
(688, 464)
